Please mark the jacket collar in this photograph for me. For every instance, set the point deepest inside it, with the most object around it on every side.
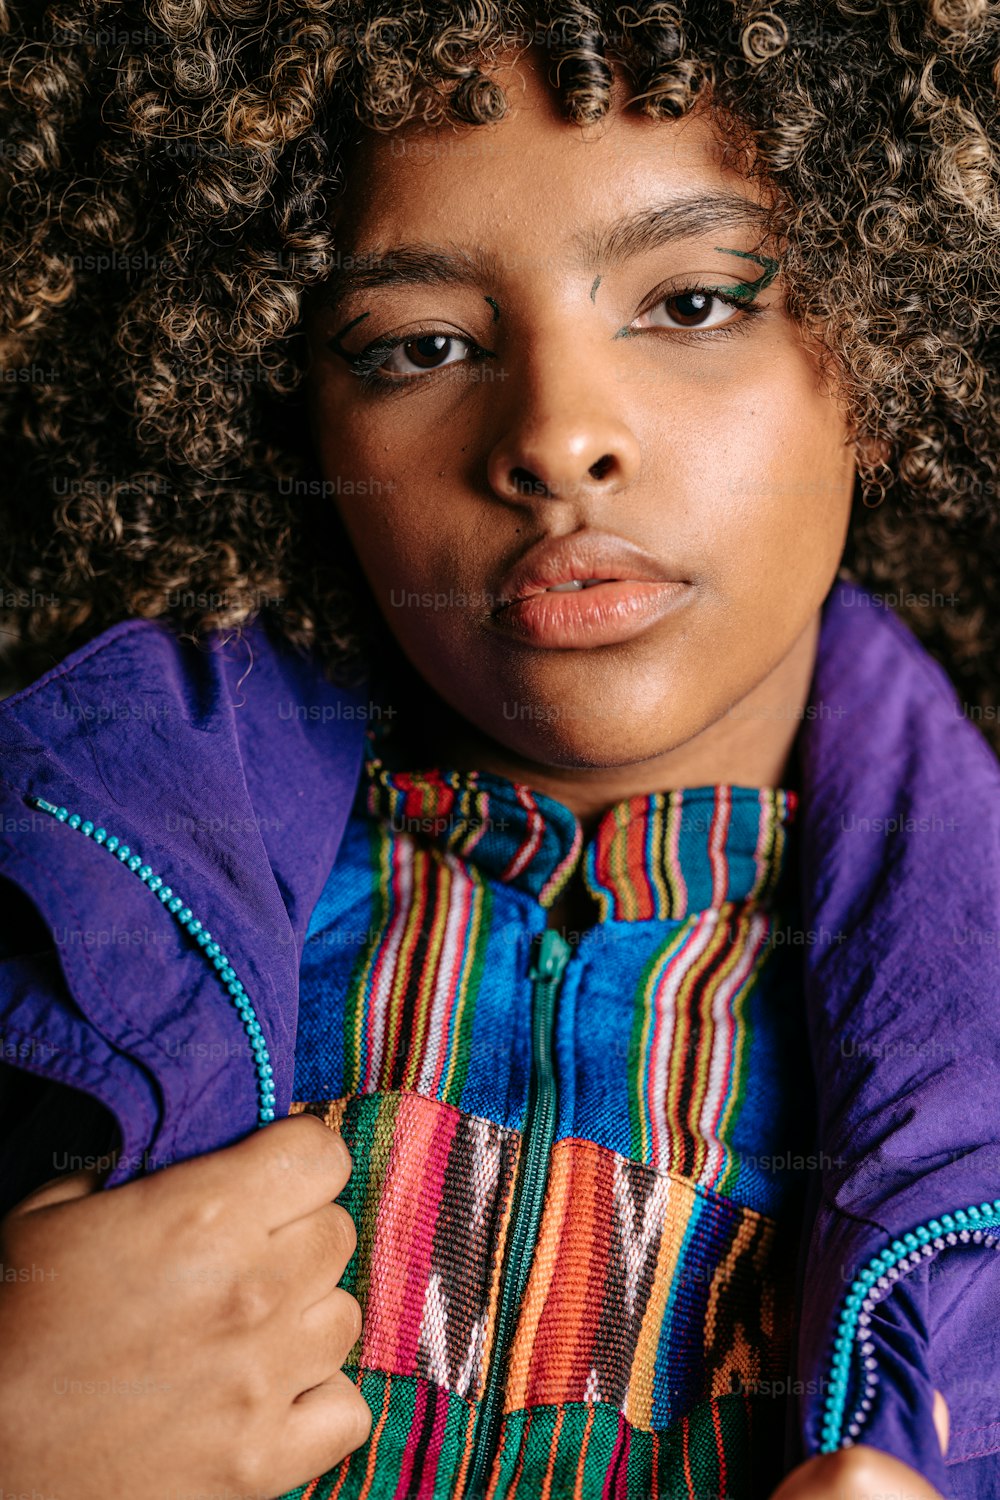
(655, 856)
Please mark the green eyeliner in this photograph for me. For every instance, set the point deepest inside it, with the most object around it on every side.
(746, 290)
(742, 291)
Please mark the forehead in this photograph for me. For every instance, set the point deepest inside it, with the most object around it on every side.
(537, 176)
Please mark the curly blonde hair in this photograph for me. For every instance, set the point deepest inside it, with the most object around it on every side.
(166, 172)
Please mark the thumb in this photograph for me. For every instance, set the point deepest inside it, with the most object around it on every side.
(941, 1419)
(60, 1190)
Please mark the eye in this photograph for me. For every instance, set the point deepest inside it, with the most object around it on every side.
(398, 360)
(431, 351)
(691, 309)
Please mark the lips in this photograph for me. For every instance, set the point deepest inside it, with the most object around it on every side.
(586, 589)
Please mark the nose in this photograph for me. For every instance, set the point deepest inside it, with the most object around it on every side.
(563, 443)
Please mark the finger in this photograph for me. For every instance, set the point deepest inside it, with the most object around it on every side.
(853, 1473)
(313, 1253)
(324, 1162)
(942, 1420)
(60, 1190)
(328, 1422)
(329, 1331)
(278, 1174)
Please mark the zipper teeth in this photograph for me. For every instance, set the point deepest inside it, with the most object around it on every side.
(540, 1128)
(964, 1226)
(212, 952)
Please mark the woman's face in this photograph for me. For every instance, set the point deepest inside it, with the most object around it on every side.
(570, 342)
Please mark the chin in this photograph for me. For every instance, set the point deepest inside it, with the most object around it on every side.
(556, 747)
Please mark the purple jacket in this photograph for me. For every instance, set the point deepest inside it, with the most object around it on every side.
(228, 771)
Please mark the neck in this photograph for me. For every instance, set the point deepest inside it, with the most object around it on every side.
(753, 744)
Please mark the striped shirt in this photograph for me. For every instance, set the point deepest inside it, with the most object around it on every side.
(645, 1348)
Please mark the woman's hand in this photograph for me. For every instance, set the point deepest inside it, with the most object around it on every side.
(182, 1334)
(864, 1473)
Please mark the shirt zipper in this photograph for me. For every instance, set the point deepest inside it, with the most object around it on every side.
(546, 971)
(184, 916)
(852, 1362)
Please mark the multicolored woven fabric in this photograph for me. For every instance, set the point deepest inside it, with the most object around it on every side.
(656, 1327)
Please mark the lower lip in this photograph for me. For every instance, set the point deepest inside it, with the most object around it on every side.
(597, 616)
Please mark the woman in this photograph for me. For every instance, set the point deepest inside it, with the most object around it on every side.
(627, 357)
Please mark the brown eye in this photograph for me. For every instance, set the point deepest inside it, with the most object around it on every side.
(698, 307)
(426, 353)
(689, 309)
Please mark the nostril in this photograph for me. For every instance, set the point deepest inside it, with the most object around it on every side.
(526, 483)
(600, 469)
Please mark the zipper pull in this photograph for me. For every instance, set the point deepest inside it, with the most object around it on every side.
(551, 958)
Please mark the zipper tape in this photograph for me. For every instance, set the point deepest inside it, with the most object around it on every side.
(184, 916)
(553, 951)
(853, 1362)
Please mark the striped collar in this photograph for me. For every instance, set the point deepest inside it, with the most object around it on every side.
(653, 856)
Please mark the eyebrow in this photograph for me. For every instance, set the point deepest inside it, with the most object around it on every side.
(653, 228)
(604, 245)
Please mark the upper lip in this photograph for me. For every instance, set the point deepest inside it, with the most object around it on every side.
(579, 556)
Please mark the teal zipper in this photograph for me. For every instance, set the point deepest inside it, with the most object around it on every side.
(182, 913)
(546, 971)
(853, 1364)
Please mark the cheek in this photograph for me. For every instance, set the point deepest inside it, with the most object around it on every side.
(387, 491)
(407, 553)
(772, 476)
(390, 549)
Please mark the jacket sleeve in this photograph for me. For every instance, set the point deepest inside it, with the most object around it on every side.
(932, 1328)
(901, 892)
(903, 1276)
(963, 1296)
(160, 812)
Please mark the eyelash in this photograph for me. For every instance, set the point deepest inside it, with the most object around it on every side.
(365, 365)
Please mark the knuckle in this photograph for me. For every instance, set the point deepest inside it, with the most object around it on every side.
(326, 1151)
(199, 1217)
(250, 1392)
(248, 1301)
(302, 1123)
(288, 1140)
(317, 1127)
